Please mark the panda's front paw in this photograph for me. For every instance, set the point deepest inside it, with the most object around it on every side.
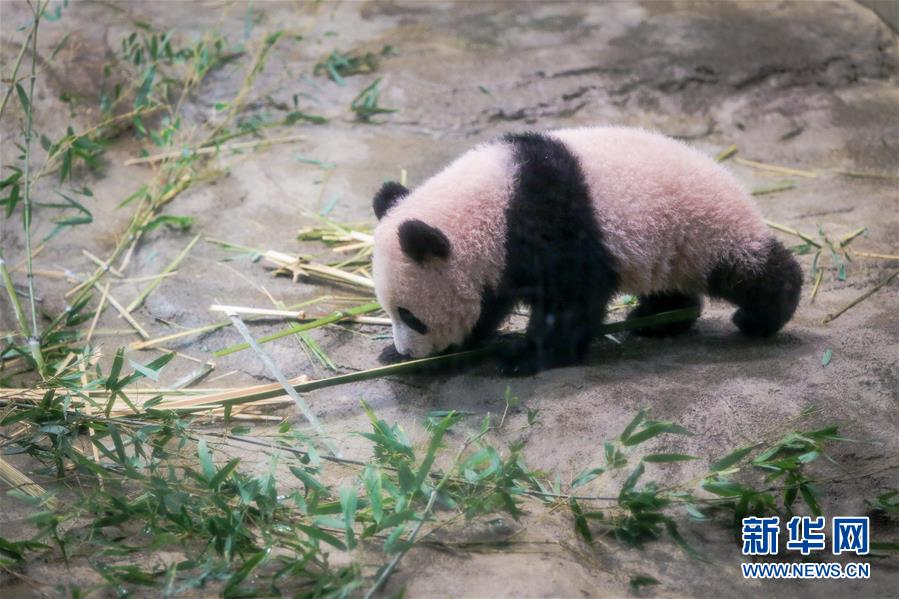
(518, 365)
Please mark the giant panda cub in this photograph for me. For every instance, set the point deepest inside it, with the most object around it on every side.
(562, 221)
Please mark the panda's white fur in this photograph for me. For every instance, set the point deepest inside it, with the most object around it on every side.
(667, 212)
(668, 220)
(466, 201)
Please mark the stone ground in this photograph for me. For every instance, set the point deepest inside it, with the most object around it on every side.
(717, 73)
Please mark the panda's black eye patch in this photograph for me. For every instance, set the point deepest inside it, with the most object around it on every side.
(411, 321)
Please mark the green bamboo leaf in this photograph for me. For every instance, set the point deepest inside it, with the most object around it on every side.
(731, 459)
(586, 476)
(348, 501)
(641, 580)
(631, 481)
(205, 459)
(809, 495)
(682, 543)
(117, 443)
(371, 477)
(580, 522)
(433, 446)
(664, 458)
(23, 98)
(308, 480)
(248, 566)
(653, 430)
(632, 425)
(223, 474)
(318, 534)
(723, 488)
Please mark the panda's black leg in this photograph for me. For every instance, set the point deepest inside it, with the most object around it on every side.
(767, 296)
(558, 333)
(664, 301)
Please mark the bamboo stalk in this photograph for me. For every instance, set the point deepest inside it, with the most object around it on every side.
(104, 265)
(298, 315)
(172, 266)
(285, 384)
(471, 355)
(146, 278)
(13, 297)
(294, 315)
(850, 237)
(100, 306)
(331, 318)
(16, 479)
(792, 231)
(24, 261)
(833, 316)
(818, 278)
(203, 149)
(295, 265)
(860, 175)
(165, 339)
(128, 318)
(726, 153)
(878, 256)
(774, 168)
(773, 189)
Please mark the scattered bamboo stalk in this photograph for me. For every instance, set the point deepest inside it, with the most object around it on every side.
(726, 153)
(193, 377)
(121, 310)
(13, 296)
(773, 189)
(171, 267)
(331, 318)
(774, 168)
(24, 261)
(299, 268)
(165, 339)
(294, 314)
(224, 323)
(448, 359)
(206, 149)
(144, 279)
(297, 315)
(104, 265)
(861, 175)
(16, 479)
(877, 256)
(100, 307)
(282, 380)
(57, 274)
(818, 278)
(833, 316)
(34, 337)
(849, 237)
(792, 231)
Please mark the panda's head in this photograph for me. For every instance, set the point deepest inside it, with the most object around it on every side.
(419, 279)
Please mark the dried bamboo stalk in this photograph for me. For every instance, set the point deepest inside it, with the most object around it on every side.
(171, 267)
(774, 168)
(213, 149)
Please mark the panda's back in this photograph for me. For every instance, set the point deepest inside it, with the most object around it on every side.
(667, 213)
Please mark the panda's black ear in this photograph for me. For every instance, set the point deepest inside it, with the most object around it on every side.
(389, 194)
(421, 241)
